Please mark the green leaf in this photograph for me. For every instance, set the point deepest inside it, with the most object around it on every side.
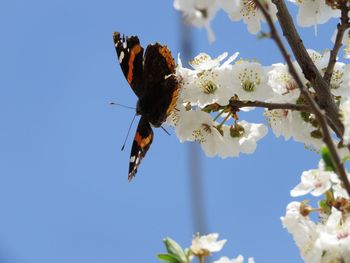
(168, 258)
(174, 248)
(327, 159)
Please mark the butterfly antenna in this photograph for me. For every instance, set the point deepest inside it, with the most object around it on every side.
(127, 135)
(121, 105)
(165, 130)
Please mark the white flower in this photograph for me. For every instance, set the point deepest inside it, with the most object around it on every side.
(303, 231)
(345, 117)
(313, 12)
(207, 83)
(283, 84)
(281, 122)
(343, 89)
(242, 137)
(339, 80)
(250, 81)
(205, 245)
(318, 181)
(299, 125)
(345, 42)
(229, 5)
(315, 181)
(304, 130)
(199, 13)
(196, 125)
(251, 15)
(204, 62)
(334, 238)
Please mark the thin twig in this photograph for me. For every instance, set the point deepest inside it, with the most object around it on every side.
(320, 116)
(341, 27)
(270, 105)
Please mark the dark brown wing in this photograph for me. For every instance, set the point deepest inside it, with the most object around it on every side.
(160, 84)
(130, 57)
(142, 142)
(158, 63)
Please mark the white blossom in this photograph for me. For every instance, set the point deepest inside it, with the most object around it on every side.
(303, 231)
(345, 117)
(206, 244)
(296, 125)
(334, 238)
(242, 139)
(339, 83)
(249, 80)
(251, 15)
(196, 125)
(199, 13)
(208, 82)
(304, 130)
(283, 84)
(345, 41)
(313, 12)
(315, 182)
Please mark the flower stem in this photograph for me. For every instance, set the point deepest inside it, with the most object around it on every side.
(222, 123)
(221, 112)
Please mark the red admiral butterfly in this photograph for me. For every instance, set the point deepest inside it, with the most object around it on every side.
(152, 78)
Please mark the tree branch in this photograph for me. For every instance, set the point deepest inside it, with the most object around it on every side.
(342, 26)
(270, 106)
(324, 96)
(320, 116)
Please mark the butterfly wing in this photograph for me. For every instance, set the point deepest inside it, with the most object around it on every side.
(158, 63)
(142, 142)
(161, 86)
(130, 57)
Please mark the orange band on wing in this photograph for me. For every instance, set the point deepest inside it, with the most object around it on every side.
(165, 52)
(173, 102)
(133, 52)
(143, 141)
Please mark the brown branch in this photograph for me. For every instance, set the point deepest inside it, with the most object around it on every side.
(320, 116)
(342, 27)
(324, 96)
(270, 106)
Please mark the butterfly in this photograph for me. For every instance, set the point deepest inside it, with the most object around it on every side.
(152, 78)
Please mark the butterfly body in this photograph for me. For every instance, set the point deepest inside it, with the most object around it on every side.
(152, 78)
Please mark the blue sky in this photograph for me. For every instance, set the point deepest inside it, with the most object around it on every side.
(64, 194)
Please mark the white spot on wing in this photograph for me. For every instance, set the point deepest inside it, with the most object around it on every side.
(121, 56)
(124, 45)
(132, 159)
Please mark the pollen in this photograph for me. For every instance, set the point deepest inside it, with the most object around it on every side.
(199, 59)
(249, 8)
(336, 79)
(198, 136)
(249, 80)
(209, 87)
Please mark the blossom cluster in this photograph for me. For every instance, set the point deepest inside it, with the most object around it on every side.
(328, 238)
(200, 12)
(302, 126)
(203, 109)
(202, 246)
(206, 111)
